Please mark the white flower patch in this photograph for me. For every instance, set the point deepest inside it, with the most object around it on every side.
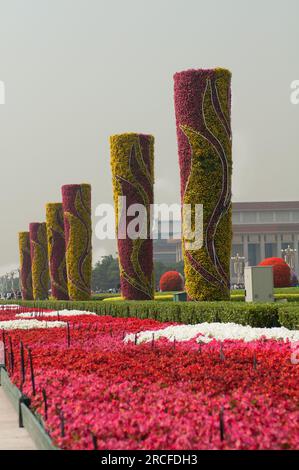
(9, 306)
(30, 324)
(206, 332)
(56, 314)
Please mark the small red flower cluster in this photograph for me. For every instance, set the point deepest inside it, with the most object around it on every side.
(93, 390)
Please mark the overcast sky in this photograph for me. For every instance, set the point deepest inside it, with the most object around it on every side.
(77, 71)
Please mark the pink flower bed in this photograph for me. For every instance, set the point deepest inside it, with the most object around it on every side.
(104, 393)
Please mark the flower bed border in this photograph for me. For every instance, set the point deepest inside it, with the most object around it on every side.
(27, 418)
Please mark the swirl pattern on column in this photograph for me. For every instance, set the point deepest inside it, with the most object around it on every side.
(39, 260)
(56, 251)
(132, 163)
(25, 266)
(203, 106)
(76, 200)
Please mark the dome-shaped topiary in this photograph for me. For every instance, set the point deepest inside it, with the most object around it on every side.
(281, 271)
(171, 281)
(272, 261)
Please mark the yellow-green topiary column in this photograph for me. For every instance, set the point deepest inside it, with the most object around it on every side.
(56, 250)
(203, 119)
(76, 200)
(39, 260)
(25, 266)
(132, 163)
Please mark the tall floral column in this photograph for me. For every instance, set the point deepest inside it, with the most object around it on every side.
(25, 266)
(39, 260)
(203, 109)
(76, 200)
(56, 251)
(132, 163)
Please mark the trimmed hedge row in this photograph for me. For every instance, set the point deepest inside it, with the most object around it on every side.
(277, 290)
(256, 315)
(104, 296)
(279, 296)
(289, 316)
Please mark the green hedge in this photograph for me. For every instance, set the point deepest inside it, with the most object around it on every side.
(277, 290)
(257, 315)
(289, 316)
(106, 295)
(290, 297)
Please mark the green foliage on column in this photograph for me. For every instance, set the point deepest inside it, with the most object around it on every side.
(76, 199)
(202, 105)
(25, 266)
(56, 251)
(132, 163)
(39, 260)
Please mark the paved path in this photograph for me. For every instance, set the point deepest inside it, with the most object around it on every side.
(11, 436)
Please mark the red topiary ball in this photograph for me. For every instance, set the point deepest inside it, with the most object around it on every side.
(171, 281)
(281, 271)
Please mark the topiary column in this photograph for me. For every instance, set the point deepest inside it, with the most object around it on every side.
(132, 162)
(76, 200)
(56, 251)
(39, 260)
(203, 110)
(25, 266)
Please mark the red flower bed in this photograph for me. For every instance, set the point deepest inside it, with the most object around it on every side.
(157, 395)
(171, 281)
(281, 271)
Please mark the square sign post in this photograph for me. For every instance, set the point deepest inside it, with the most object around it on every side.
(258, 284)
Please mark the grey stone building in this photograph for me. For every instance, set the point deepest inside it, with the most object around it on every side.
(260, 230)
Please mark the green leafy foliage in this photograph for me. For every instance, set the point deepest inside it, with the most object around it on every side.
(256, 315)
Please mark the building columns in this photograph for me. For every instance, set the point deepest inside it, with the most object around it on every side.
(262, 247)
(279, 245)
(296, 240)
(245, 249)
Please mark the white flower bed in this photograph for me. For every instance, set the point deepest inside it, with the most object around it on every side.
(206, 332)
(30, 324)
(9, 306)
(60, 313)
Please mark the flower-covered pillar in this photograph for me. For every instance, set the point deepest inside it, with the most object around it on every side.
(25, 266)
(203, 118)
(76, 200)
(132, 163)
(39, 260)
(56, 251)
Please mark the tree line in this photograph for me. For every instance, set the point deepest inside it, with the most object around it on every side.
(105, 274)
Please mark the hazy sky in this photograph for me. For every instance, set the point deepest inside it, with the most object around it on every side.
(77, 71)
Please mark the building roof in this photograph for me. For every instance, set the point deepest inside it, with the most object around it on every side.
(266, 228)
(260, 206)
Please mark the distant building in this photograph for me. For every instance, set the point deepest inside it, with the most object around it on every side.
(260, 230)
(168, 250)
